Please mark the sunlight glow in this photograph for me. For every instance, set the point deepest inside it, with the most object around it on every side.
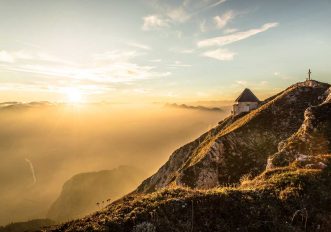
(74, 95)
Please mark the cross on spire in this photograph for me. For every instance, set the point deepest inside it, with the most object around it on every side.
(309, 75)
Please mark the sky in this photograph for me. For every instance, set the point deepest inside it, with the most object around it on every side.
(159, 51)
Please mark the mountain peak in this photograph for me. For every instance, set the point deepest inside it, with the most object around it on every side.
(240, 145)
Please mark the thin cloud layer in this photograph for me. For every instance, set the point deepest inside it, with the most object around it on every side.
(102, 71)
(167, 15)
(223, 20)
(220, 54)
(139, 46)
(235, 37)
(152, 22)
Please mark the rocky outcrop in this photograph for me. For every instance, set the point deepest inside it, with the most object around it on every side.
(313, 137)
(239, 145)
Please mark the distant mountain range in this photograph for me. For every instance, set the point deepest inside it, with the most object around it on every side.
(21, 105)
(266, 170)
(184, 106)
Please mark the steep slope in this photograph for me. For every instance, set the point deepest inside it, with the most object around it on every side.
(239, 145)
(81, 192)
(313, 137)
(284, 199)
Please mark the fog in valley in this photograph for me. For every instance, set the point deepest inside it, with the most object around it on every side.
(43, 145)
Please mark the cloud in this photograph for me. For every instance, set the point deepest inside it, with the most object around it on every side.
(212, 5)
(103, 70)
(141, 90)
(264, 83)
(140, 46)
(178, 14)
(230, 30)
(202, 26)
(32, 170)
(223, 20)
(179, 64)
(156, 60)
(6, 57)
(115, 56)
(170, 14)
(153, 22)
(235, 37)
(15, 56)
(281, 76)
(220, 54)
(241, 82)
(187, 51)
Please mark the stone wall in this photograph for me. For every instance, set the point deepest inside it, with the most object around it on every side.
(243, 107)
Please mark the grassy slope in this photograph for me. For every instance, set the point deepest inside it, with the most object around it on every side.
(27, 226)
(249, 140)
(246, 142)
(283, 199)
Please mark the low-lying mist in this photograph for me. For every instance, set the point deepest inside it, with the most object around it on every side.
(43, 146)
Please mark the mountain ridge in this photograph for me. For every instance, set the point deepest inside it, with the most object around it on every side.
(266, 170)
(226, 134)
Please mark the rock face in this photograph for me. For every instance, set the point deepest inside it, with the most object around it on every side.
(313, 137)
(81, 192)
(241, 145)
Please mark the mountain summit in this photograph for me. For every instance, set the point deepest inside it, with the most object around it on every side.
(241, 145)
(276, 160)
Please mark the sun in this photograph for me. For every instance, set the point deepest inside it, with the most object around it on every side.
(74, 95)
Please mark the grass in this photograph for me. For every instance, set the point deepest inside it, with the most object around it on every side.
(282, 199)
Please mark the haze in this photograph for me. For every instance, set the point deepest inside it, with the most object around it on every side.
(44, 145)
(123, 82)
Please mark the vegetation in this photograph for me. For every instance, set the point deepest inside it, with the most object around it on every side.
(239, 145)
(28, 226)
(281, 199)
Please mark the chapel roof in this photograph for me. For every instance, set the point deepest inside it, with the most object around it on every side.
(247, 96)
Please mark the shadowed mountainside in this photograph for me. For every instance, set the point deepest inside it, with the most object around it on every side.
(29, 226)
(81, 192)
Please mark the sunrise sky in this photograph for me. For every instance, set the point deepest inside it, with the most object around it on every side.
(153, 50)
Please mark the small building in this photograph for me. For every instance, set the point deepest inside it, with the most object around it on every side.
(246, 102)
